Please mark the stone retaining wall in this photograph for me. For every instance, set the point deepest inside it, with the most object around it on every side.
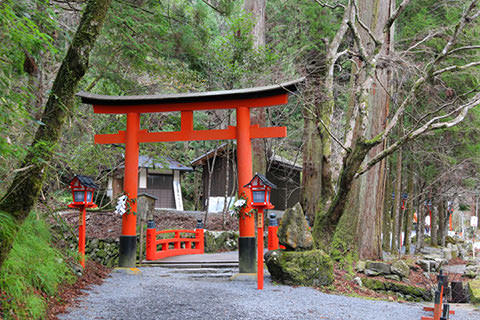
(105, 251)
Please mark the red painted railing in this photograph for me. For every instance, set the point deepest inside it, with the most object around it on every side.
(161, 248)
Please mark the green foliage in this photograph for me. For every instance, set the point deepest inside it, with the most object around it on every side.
(32, 272)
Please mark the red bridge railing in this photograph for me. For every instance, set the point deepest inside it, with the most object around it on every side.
(163, 248)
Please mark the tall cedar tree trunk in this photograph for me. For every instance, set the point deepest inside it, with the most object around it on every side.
(434, 223)
(358, 206)
(314, 190)
(441, 223)
(257, 10)
(27, 184)
(410, 209)
(387, 212)
(398, 203)
(422, 213)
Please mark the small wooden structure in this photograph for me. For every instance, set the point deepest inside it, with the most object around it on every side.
(82, 188)
(180, 244)
(260, 188)
(158, 176)
(284, 173)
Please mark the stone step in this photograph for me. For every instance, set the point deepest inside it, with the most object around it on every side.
(192, 265)
(212, 275)
(188, 261)
(205, 271)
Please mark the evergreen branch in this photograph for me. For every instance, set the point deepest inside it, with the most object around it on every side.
(214, 8)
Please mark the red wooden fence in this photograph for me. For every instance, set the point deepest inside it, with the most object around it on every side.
(161, 248)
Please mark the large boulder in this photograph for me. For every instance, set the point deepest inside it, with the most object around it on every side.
(474, 289)
(304, 268)
(216, 241)
(294, 232)
(416, 293)
(400, 268)
(378, 267)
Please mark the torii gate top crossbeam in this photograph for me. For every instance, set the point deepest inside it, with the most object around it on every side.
(227, 99)
(186, 103)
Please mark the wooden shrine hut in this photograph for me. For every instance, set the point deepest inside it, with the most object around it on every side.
(159, 176)
(284, 173)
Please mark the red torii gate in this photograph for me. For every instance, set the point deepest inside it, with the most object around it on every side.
(241, 100)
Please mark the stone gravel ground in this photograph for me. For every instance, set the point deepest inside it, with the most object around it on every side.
(159, 293)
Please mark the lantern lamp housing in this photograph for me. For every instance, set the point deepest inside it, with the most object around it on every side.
(261, 188)
(83, 189)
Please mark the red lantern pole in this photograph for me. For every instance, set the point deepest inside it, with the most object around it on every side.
(450, 225)
(260, 249)
(81, 235)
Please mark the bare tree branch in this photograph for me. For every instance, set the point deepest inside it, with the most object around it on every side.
(464, 48)
(367, 29)
(453, 38)
(356, 34)
(331, 6)
(456, 68)
(395, 15)
(429, 36)
(316, 117)
(213, 7)
(433, 124)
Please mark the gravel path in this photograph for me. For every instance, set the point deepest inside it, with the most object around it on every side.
(158, 293)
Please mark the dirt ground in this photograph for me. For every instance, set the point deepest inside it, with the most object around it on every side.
(93, 274)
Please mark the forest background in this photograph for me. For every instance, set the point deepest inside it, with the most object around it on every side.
(386, 83)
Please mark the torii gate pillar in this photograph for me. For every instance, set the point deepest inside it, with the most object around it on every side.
(128, 238)
(246, 242)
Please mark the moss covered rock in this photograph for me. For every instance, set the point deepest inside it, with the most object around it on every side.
(474, 289)
(398, 288)
(294, 232)
(400, 268)
(379, 267)
(216, 241)
(305, 268)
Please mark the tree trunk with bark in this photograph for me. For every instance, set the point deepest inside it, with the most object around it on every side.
(434, 224)
(441, 223)
(27, 184)
(410, 209)
(422, 212)
(256, 8)
(369, 199)
(387, 213)
(398, 204)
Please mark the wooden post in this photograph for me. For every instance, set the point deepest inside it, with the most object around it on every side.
(81, 235)
(260, 249)
(145, 207)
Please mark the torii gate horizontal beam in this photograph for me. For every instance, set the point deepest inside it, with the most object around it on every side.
(195, 135)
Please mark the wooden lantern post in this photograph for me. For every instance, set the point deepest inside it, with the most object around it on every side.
(83, 189)
(260, 188)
